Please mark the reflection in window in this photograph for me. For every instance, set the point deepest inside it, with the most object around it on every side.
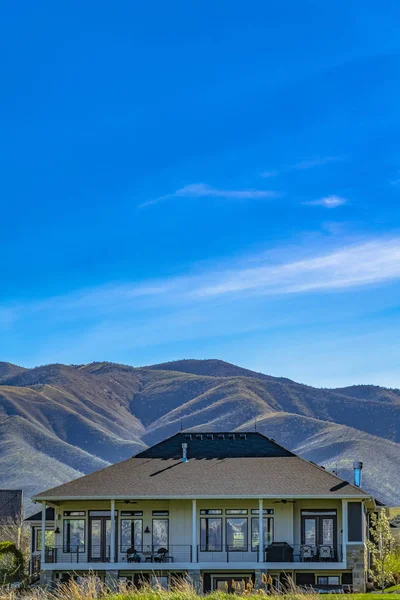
(49, 538)
(74, 535)
(268, 526)
(310, 537)
(131, 533)
(236, 534)
(160, 533)
(211, 535)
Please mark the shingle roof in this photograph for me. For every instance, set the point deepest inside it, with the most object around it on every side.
(277, 472)
(10, 503)
(38, 516)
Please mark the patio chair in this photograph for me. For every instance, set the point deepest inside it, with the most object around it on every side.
(162, 555)
(325, 553)
(307, 553)
(132, 555)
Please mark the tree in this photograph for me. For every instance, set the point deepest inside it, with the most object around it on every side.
(16, 569)
(14, 547)
(384, 560)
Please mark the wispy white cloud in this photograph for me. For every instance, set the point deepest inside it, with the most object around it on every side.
(371, 262)
(328, 201)
(363, 264)
(316, 162)
(201, 190)
(267, 174)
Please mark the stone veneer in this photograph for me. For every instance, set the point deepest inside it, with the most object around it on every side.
(356, 558)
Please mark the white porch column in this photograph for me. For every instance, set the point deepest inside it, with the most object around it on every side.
(112, 532)
(43, 550)
(260, 531)
(194, 531)
(344, 529)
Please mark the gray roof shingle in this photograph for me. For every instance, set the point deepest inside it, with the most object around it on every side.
(170, 478)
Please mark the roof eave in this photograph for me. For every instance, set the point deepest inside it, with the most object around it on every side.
(208, 497)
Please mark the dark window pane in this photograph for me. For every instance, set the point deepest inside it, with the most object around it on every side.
(354, 521)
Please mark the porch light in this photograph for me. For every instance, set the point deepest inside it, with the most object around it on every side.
(147, 530)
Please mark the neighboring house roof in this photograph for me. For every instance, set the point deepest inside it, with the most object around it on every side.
(244, 466)
(10, 504)
(38, 516)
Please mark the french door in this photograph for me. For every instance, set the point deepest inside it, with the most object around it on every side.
(100, 536)
(319, 528)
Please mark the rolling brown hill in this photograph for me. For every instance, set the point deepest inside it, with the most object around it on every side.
(58, 421)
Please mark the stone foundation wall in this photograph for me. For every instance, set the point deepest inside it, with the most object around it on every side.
(356, 557)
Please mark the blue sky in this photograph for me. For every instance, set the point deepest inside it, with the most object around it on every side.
(202, 179)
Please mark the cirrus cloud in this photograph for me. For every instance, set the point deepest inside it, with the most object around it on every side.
(202, 190)
(328, 201)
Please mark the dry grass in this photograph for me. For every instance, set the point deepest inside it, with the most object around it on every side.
(91, 588)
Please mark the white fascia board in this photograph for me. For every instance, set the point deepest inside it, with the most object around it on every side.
(205, 497)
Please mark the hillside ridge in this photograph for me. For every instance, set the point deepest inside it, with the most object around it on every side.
(68, 420)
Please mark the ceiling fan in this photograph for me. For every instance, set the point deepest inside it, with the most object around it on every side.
(284, 501)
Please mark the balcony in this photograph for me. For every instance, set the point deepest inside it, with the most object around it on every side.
(277, 552)
(101, 554)
(280, 552)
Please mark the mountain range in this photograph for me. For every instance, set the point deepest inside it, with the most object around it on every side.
(58, 422)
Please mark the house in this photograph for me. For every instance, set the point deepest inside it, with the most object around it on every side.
(35, 522)
(10, 504)
(215, 508)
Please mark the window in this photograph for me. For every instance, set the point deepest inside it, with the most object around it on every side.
(211, 511)
(266, 511)
(74, 535)
(160, 513)
(354, 518)
(161, 581)
(160, 533)
(236, 511)
(49, 538)
(268, 527)
(210, 535)
(209, 436)
(132, 513)
(331, 580)
(319, 527)
(236, 534)
(74, 513)
(131, 534)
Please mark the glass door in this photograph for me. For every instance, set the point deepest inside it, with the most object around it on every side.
(100, 536)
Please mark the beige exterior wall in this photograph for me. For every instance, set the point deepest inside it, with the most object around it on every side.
(287, 517)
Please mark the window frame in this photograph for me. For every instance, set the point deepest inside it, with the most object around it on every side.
(132, 521)
(37, 538)
(66, 543)
(256, 520)
(233, 512)
(328, 577)
(230, 548)
(152, 532)
(206, 547)
(318, 515)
